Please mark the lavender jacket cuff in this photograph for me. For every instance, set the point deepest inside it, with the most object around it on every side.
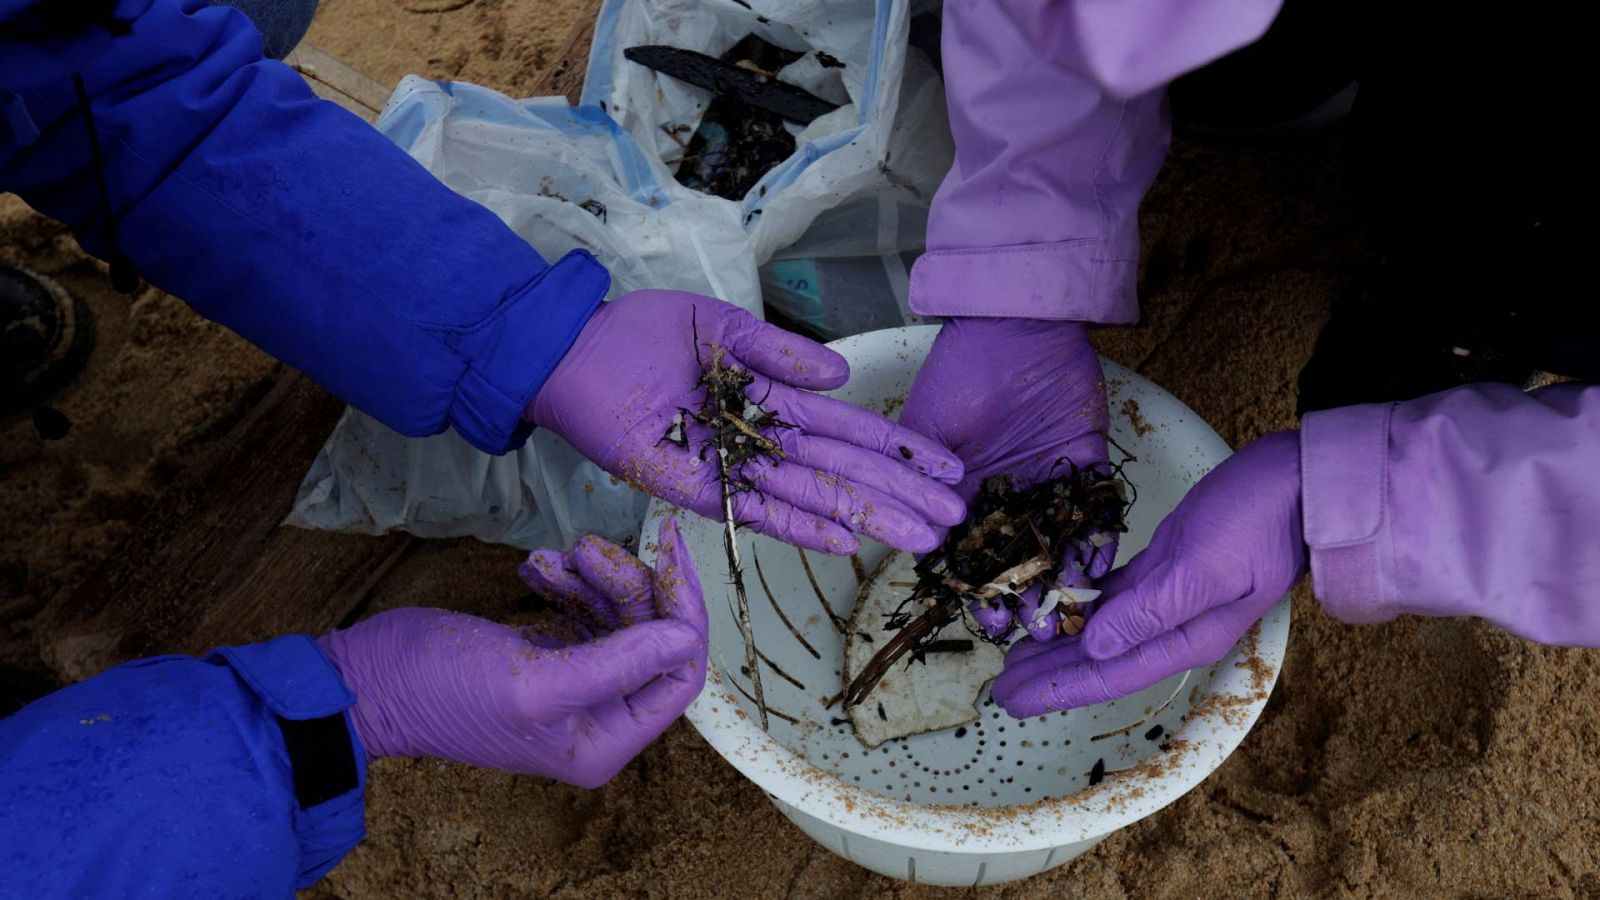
(1479, 501)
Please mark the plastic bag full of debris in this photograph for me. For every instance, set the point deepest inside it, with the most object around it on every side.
(562, 178)
(860, 179)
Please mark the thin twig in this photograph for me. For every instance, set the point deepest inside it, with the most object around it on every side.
(730, 536)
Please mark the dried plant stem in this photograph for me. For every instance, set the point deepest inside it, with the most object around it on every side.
(1025, 535)
(730, 542)
(730, 533)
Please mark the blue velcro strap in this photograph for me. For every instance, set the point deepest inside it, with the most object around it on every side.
(296, 681)
(291, 676)
(512, 354)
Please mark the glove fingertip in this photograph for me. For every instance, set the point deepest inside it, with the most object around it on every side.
(1046, 628)
(536, 571)
(1102, 558)
(670, 549)
(1102, 642)
(948, 470)
(785, 356)
(917, 540)
(1019, 705)
(842, 543)
(994, 620)
(677, 582)
(829, 369)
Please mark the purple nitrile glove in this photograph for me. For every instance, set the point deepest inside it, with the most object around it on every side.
(618, 392)
(576, 709)
(1020, 397)
(1216, 564)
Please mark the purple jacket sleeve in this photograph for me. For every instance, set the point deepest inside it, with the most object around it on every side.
(1059, 130)
(1479, 501)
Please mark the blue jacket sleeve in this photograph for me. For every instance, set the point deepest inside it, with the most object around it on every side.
(284, 217)
(170, 777)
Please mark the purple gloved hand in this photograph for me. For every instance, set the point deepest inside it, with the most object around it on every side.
(619, 391)
(1230, 550)
(576, 708)
(1016, 397)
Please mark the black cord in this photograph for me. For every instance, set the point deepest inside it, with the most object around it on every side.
(123, 277)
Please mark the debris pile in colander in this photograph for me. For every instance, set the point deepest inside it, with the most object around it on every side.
(1012, 540)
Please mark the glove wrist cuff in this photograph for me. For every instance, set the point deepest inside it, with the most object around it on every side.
(1061, 281)
(366, 712)
(1344, 464)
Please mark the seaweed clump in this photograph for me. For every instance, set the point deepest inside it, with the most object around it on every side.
(1012, 540)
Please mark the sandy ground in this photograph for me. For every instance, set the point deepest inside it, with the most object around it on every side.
(1424, 758)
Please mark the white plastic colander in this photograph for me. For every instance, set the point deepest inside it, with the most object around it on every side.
(998, 799)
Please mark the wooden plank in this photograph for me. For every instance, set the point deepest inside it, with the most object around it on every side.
(332, 80)
(210, 564)
(565, 75)
(343, 99)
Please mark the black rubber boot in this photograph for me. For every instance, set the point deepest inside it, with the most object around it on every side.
(45, 338)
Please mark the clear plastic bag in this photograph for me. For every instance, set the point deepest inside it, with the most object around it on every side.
(562, 178)
(861, 178)
(598, 176)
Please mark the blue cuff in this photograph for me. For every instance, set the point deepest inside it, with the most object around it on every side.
(291, 675)
(512, 353)
(296, 680)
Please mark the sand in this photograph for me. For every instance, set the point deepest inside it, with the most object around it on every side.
(1422, 758)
